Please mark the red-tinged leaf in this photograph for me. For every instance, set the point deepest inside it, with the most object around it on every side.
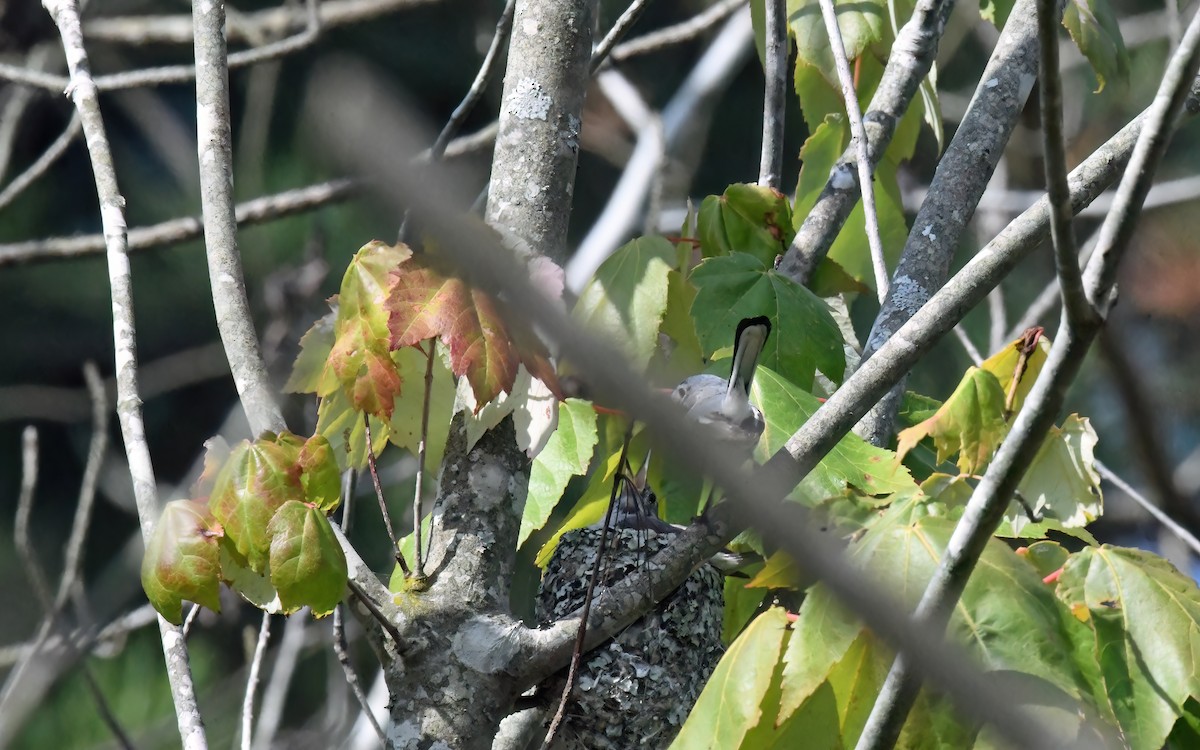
(308, 567)
(216, 452)
(181, 560)
(258, 478)
(424, 303)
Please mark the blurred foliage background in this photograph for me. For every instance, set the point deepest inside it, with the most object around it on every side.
(56, 313)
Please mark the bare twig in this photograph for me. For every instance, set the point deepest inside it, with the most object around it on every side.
(1070, 281)
(679, 33)
(18, 102)
(770, 164)
(618, 31)
(487, 70)
(593, 577)
(271, 22)
(82, 638)
(986, 508)
(73, 553)
(422, 447)
(270, 711)
(24, 547)
(256, 211)
(383, 509)
(1155, 512)
(43, 163)
(968, 345)
(112, 214)
(260, 650)
(343, 657)
(862, 156)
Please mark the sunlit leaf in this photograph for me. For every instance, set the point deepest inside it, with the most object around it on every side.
(258, 478)
(567, 454)
(1142, 619)
(779, 572)
(853, 461)
(405, 425)
(970, 423)
(804, 337)
(746, 219)
(342, 425)
(308, 567)
(319, 474)
(731, 703)
(627, 297)
(1017, 365)
(182, 560)
(1062, 481)
(309, 372)
(251, 585)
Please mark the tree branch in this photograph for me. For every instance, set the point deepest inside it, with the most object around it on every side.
(112, 214)
(962, 176)
(770, 165)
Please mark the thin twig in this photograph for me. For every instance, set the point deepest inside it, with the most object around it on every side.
(684, 31)
(270, 22)
(487, 70)
(383, 509)
(270, 711)
(618, 31)
(24, 547)
(193, 612)
(343, 657)
(43, 163)
(593, 577)
(422, 447)
(770, 163)
(1062, 234)
(260, 649)
(860, 144)
(1155, 512)
(173, 231)
(18, 102)
(98, 446)
(968, 345)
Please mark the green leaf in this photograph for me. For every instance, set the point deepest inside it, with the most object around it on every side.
(861, 24)
(915, 408)
(1093, 26)
(309, 373)
(1062, 481)
(740, 605)
(1142, 617)
(251, 585)
(182, 560)
(319, 474)
(342, 425)
(1017, 373)
(746, 219)
(804, 336)
(853, 461)
(626, 300)
(822, 635)
(405, 425)
(685, 355)
(970, 423)
(567, 454)
(732, 701)
(308, 567)
(258, 478)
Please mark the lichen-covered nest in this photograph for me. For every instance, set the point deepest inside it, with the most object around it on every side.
(636, 690)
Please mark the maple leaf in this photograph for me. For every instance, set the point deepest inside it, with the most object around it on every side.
(425, 303)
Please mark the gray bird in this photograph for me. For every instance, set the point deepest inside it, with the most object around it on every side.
(725, 405)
